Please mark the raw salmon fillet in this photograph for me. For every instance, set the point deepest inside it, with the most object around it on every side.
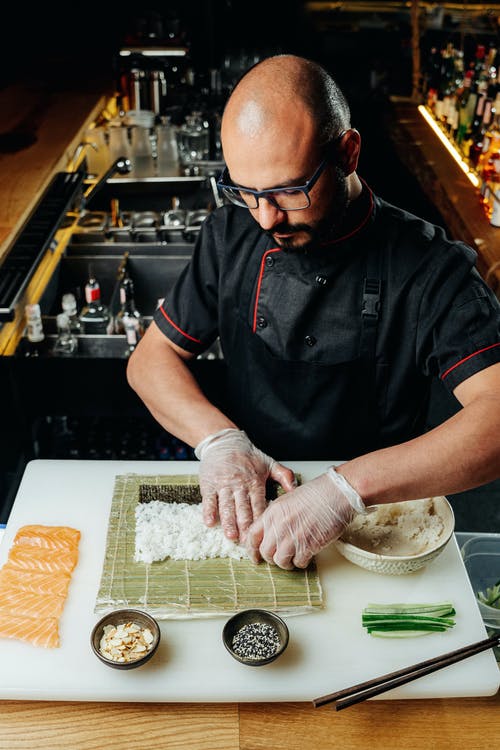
(38, 632)
(34, 583)
(28, 604)
(61, 537)
(29, 557)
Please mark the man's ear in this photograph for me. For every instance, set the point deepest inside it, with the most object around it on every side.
(348, 151)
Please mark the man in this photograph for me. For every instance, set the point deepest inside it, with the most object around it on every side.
(335, 310)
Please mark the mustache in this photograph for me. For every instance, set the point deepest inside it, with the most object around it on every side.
(286, 228)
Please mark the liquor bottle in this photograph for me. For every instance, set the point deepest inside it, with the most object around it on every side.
(193, 139)
(480, 63)
(128, 307)
(433, 76)
(480, 132)
(36, 344)
(495, 212)
(490, 182)
(466, 105)
(94, 317)
(71, 310)
(478, 114)
(66, 343)
(129, 320)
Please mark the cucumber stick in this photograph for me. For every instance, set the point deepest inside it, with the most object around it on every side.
(491, 597)
(407, 620)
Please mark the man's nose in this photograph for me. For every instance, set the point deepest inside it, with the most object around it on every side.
(268, 215)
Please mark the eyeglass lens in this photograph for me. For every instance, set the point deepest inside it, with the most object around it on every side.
(286, 200)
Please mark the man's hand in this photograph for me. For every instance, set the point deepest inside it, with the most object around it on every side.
(298, 525)
(233, 474)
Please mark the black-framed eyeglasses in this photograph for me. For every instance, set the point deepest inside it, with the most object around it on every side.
(292, 198)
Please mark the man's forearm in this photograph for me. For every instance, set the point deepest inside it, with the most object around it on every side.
(165, 384)
(461, 453)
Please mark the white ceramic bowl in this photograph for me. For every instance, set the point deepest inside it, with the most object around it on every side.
(358, 546)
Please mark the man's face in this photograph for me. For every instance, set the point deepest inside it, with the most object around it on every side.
(304, 230)
(280, 162)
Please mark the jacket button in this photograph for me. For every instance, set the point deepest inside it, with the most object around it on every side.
(269, 261)
(310, 340)
(261, 322)
(321, 280)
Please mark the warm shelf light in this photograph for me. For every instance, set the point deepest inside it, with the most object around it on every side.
(449, 147)
(154, 52)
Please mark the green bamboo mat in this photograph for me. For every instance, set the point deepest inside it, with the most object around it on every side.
(180, 589)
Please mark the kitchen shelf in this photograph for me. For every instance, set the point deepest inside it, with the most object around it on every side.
(181, 180)
(447, 186)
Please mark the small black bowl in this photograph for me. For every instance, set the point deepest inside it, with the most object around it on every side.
(255, 617)
(119, 617)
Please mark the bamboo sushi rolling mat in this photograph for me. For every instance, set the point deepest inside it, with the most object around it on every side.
(180, 589)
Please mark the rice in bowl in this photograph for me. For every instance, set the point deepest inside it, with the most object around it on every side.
(398, 538)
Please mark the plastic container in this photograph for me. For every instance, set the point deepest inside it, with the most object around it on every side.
(481, 555)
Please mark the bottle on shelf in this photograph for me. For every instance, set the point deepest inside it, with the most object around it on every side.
(479, 151)
(480, 65)
(119, 144)
(66, 343)
(70, 308)
(36, 343)
(129, 320)
(477, 120)
(466, 105)
(141, 152)
(158, 90)
(94, 316)
(167, 154)
(193, 139)
(490, 176)
(472, 88)
(495, 211)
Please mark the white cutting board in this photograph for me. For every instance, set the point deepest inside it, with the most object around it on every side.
(328, 649)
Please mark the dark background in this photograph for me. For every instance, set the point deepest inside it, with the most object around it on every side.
(73, 43)
(369, 53)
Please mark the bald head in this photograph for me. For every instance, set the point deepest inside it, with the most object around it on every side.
(282, 90)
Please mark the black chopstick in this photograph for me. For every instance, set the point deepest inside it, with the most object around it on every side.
(376, 686)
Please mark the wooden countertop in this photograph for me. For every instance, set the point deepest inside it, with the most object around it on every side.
(471, 723)
(447, 186)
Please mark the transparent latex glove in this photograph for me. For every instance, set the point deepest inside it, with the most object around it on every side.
(233, 474)
(298, 525)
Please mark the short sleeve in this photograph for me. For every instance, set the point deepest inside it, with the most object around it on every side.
(188, 315)
(459, 321)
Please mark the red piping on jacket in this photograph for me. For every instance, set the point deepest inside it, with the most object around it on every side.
(191, 338)
(259, 282)
(332, 242)
(479, 351)
(360, 225)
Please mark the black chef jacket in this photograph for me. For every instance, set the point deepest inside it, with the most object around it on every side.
(331, 354)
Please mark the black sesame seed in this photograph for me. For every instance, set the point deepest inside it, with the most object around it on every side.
(256, 640)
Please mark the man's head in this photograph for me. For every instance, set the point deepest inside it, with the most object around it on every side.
(286, 122)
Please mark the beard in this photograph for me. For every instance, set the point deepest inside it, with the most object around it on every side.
(324, 229)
